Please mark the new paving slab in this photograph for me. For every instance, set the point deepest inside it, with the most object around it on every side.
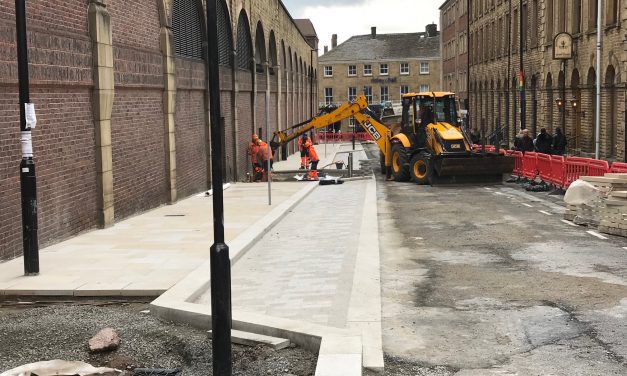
(304, 268)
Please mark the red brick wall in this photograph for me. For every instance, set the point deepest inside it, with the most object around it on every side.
(228, 142)
(137, 128)
(60, 82)
(135, 23)
(191, 153)
(138, 140)
(10, 155)
(245, 121)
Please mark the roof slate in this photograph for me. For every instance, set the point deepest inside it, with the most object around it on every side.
(385, 46)
(306, 27)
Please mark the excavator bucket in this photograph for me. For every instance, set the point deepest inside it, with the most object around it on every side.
(476, 168)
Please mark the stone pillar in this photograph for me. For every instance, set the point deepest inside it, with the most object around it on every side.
(169, 107)
(103, 92)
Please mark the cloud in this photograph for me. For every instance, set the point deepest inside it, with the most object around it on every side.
(348, 18)
(296, 7)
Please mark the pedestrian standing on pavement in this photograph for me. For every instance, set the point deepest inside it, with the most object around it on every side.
(253, 151)
(544, 141)
(526, 141)
(265, 153)
(518, 141)
(303, 145)
(559, 142)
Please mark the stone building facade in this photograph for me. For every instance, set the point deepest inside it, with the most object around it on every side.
(380, 66)
(495, 65)
(454, 25)
(121, 96)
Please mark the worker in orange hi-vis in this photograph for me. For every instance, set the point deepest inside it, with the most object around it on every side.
(313, 156)
(265, 152)
(253, 151)
(303, 145)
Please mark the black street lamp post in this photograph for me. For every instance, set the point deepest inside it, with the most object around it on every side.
(28, 181)
(219, 259)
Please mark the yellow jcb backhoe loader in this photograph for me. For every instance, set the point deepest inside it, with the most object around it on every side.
(428, 146)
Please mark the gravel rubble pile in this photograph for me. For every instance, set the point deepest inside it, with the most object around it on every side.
(62, 331)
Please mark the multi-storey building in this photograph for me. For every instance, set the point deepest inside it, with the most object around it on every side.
(120, 91)
(496, 41)
(454, 25)
(380, 66)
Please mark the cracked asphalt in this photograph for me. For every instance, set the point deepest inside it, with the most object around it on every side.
(491, 281)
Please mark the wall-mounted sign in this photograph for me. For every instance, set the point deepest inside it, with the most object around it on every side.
(563, 46)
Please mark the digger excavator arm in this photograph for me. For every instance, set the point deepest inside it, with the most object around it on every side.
(344, 111)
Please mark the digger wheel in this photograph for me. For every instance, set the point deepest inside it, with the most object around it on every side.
(400, 169)
(420, 169)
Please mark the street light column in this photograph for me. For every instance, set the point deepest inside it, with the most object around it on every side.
(28, 181)
(219, 256)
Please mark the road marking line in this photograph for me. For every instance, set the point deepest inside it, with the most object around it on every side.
(625, 248)
(544, 212)
(499, 193)
(527, 205)
(488, 188)
(594, 233)
(570, 223)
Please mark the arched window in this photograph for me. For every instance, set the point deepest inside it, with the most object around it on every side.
(225, 43)
(187, 29)
(244, 45)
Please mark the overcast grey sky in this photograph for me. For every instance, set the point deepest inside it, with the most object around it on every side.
(355, 17)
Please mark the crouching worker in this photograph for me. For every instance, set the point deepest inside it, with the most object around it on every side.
(313, 157)
(265, 153)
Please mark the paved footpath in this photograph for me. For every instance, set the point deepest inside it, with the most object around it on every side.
(303, 268)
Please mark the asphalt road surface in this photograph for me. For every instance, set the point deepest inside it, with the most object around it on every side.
(491, 281)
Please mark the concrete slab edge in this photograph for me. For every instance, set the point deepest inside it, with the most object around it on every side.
(364, 311)
(198, 281)
(340, 350)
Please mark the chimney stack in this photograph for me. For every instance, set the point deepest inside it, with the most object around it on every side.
(326, 49)
(432, 30)
(333, 41)
(373, 32)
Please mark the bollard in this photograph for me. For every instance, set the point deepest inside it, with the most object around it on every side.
(350, 165)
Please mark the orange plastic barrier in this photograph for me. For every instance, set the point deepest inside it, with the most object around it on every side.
(575, 167)
(530, 168)
(558, 170)
(543, 165)
(518, 162)
(597, 167)
(618, 167)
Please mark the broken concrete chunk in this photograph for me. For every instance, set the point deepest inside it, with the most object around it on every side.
(105, 340)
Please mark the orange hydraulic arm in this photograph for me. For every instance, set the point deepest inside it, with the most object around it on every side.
(344, 111)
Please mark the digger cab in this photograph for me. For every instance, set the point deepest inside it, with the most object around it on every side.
(438, 112)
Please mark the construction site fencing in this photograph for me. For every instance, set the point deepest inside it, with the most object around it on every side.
(530, 165)
(561, 171)
(618, 167)
(543, 164)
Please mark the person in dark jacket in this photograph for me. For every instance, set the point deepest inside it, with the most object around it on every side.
(559, 142)
(526, 142)
(544, 142)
